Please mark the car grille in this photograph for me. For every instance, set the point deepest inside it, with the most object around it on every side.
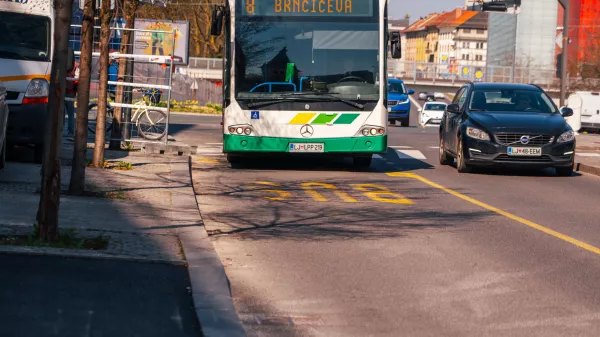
(392, 103)
(515, 139)
(12, 95)
(516, 159)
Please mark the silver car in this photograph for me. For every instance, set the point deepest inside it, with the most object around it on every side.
(3, 124)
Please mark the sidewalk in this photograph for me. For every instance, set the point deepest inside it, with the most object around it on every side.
(587, 157)
(140, 284)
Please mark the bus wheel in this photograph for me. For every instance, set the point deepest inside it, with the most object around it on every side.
(363, 162)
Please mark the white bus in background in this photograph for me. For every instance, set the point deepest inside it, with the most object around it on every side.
(26, 27)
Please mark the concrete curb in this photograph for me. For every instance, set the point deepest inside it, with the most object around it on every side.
(210, 286)
(588, 148)
(580, 167)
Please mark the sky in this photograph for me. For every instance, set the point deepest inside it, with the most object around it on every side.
(418, 8)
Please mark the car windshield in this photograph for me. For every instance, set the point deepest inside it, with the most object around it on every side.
(510, 100)
(279, 55)
(24, 37)
(435, 107)
(396, 88)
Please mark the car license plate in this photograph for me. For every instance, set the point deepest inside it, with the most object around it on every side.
(524, 151)
(307, 147)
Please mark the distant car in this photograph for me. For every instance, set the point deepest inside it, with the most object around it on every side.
(426, 96)
(398, 102)
(432, 113)
(439, 95)
(501, 124)
(3, 125)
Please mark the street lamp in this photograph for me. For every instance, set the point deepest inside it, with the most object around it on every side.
(565, 55)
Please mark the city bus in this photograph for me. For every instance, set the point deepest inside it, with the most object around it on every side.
(305, 77)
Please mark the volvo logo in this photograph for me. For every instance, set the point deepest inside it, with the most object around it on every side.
(307, 131)
(524, 140)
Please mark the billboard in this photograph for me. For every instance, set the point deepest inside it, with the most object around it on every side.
(160, 43)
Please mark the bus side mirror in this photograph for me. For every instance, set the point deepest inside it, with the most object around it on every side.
(395, 45)
(217, 20)
(70, 60)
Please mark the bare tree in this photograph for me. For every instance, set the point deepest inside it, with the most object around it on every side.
(77, 184)
(129, 9)
(105, 18)
(50, 193)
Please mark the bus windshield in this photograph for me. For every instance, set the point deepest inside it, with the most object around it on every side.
(276, 56)
(24, 37)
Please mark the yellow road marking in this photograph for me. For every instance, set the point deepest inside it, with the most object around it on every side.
(523, 221)
(281, 195)
(392, 197)
(23, 77)
(318, 197)
(207, 161)
(302, 118)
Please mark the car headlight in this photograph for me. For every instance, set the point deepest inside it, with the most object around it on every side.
(568, 136)
(477, 134)
(38, 87)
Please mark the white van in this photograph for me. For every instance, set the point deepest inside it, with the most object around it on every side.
(587, 105)
(27, 28)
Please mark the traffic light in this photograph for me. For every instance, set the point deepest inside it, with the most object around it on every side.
(559, 65)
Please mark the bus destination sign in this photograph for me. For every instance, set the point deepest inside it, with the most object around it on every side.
(340, 8)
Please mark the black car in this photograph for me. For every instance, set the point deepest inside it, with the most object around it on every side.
(510, 125)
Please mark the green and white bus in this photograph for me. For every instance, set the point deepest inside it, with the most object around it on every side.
(305, 76)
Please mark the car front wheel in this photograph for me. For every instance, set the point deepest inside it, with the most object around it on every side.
(461, 164)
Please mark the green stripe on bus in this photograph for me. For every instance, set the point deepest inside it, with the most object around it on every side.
(324, 118)
(346, 119)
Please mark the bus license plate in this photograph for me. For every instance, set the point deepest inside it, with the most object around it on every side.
(307, 147)
(524, 151)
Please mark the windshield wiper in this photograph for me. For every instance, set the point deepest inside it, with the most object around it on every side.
(12, 54)
(329, 95)
(279, 100)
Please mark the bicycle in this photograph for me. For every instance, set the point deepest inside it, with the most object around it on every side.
(150, 123)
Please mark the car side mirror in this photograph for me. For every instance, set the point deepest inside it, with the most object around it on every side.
(566, 112)
(453, 108)
(411, 92)
(216, 27)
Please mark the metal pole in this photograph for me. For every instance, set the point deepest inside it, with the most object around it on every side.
(564, 80)
(170, 88)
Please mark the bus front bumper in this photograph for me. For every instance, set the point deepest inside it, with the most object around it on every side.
(349, 145)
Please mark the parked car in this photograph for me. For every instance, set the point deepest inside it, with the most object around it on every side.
(432, 113)
(501, 124)
(398, 102)
(426, 96)
(3, 125)
(439, 95)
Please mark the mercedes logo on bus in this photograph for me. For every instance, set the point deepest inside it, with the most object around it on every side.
(524, 140)
(307, 131)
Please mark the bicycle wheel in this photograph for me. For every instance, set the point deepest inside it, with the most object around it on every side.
(152, 124)
(92, 121)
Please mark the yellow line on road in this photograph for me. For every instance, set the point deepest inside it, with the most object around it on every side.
(526, 222)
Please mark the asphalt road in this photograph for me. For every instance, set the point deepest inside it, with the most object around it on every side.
(409, 248)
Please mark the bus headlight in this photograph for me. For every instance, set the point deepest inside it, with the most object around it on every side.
(368, 131)
(246, 130)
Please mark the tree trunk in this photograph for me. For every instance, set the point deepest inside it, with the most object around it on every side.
(50, 193)
(129, 8)
(105, 18)
(77, 184)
